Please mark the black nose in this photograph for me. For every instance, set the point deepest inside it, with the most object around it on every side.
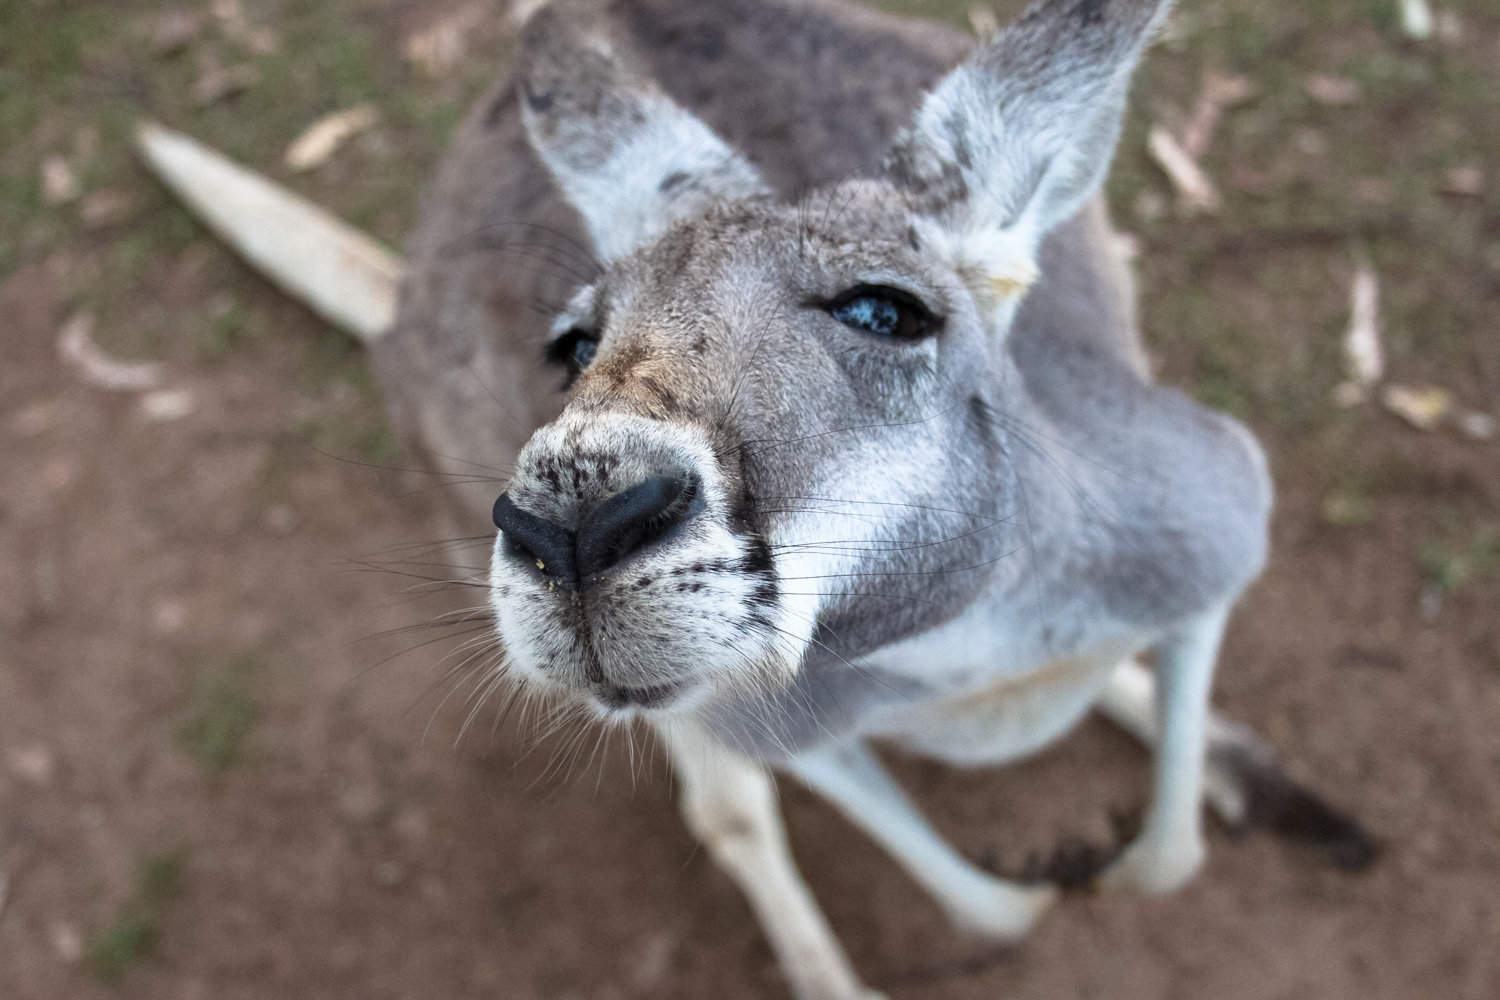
(625, 523)
(632, 519)
(549, 545)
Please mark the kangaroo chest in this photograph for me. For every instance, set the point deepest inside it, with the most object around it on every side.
(1004, 719)
(984, 689)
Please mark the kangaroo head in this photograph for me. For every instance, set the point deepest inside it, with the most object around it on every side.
(781, 439)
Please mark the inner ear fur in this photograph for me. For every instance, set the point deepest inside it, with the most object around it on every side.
(1016, 140)
(629, 158)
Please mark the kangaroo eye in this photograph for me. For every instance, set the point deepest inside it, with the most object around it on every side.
(574, 351)
(883, 312)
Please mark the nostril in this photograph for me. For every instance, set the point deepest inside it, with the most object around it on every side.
(634, 518)
(549, 545)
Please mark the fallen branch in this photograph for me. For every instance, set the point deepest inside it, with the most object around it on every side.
(342, 274)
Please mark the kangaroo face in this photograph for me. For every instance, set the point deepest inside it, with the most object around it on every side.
(779, 434)
(784, 435)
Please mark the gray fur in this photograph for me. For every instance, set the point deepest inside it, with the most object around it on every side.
(1038, 470)
(946, 542)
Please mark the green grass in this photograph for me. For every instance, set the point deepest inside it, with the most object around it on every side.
(1463, 556)
(221, 715)
(136, 929)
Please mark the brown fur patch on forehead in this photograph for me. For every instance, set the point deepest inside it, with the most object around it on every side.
(645, 374)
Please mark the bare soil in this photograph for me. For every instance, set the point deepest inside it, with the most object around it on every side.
(352, 845)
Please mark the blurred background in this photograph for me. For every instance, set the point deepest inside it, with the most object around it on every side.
(221, 776)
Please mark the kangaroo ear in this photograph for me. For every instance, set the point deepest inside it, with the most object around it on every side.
(1015, 141)
(625, 155)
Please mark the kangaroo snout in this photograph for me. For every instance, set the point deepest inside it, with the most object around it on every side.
(622, 572)
(609, 534)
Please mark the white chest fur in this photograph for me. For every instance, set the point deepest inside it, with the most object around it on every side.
(1007, 690)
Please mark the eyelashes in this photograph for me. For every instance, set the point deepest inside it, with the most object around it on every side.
(574, 351)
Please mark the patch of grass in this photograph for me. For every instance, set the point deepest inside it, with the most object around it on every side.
(362, 437)
(114, 949)
(1344, 508)
(1454, 562)
(227, 325)
(222, 713)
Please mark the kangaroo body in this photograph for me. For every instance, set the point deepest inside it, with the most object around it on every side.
(1121, 462)
(862, 442)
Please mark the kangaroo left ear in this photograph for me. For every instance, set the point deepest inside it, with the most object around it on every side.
(625, 155)
(1016, 140)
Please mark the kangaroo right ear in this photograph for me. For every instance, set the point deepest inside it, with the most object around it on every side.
(1017, 139)
(625, 155)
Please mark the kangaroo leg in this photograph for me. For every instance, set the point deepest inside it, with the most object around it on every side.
(1242, 782)
(850, 777)
(1169, 848)
(729, 803)
(1130, 703)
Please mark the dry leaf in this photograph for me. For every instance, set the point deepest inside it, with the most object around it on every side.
(67, 942)
(229, 13)
(1195, 191)
(1364, 360)
(168, 404)
(1416, 19)
(1350, 394)
(1465, 181)
(436, 49)
(983, 22)
(59, 183)
(1150, 205)
(1476, 425)
(323, 137)
(36, 764)
(1375, 190)
(1218, 93)
(1310, 142)
(215, 83)
(1334, 90)
(76, 346)
(1243, 177)
(1346, 510)
(237, 28)
(174, 30)
(105, 208)
(1450, 27)
(1424, 407)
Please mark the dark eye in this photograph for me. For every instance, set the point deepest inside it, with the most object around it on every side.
(575, 351)
(883, 312)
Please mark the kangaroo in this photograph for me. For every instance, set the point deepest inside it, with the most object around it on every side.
(807, 336)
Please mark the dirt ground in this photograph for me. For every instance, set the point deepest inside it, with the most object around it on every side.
(220, 778)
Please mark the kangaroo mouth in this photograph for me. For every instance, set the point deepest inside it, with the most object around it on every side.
(616, 696)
